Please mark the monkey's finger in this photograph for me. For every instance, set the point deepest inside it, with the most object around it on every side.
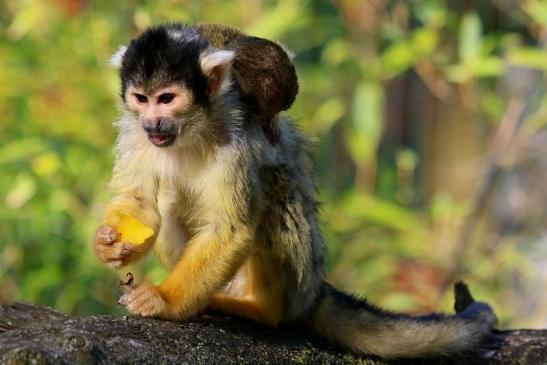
(106, 235)
(140, 293)
(140, 306)
(128, 293)
(145, 302)
(106, 254)
(128, 249)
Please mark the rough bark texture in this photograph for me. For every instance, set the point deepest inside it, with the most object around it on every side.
(31, 334)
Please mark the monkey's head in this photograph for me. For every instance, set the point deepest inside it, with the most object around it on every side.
(168, 76)
(172, 75)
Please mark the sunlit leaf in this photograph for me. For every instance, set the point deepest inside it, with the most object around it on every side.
(337, 51)
(398, 58)
(46, 164)
(329, 112)
(488, 67)
(23, 190)
(537, 10)
(470, 37)
(21, 149)
(366, 121)
(424, 41)
(529, 57)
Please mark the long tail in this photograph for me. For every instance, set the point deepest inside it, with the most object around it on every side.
(365, 329)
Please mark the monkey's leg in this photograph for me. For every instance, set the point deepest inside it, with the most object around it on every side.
(241, 307)
(264, 300)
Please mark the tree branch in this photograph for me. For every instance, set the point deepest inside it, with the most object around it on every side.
(38, 335)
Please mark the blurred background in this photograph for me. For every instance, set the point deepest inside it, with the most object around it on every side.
(429, 121)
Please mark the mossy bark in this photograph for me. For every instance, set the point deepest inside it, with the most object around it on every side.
(31, 334)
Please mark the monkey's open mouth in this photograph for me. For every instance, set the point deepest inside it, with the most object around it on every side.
(162, 139)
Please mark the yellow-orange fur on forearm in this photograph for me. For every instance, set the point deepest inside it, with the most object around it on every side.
(209, 261)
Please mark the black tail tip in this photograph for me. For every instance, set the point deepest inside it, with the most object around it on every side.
(463, 297)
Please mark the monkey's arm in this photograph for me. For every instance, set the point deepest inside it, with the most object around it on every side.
(106, 243)
(264, 299)
(210, 260)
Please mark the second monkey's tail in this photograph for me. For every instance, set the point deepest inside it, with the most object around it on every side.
(365, 329)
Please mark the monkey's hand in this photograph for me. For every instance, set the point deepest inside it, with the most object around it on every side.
(113, 253)
(146, 300)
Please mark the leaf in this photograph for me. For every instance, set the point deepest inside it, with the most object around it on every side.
(529, 57)
(397, 58)
(21, 149)
(470, 37)
(23, 190)
(367, 121)
(424, 41)
(537, 10)
(329, 112)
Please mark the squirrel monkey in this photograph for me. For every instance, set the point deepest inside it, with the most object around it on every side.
(205, 160)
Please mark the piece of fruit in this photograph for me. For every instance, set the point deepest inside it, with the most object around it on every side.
(130, 228)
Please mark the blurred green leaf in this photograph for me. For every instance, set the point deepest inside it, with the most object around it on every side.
(470, 37)
(537, 10)
(528, 57)
(367, 121)
(398, 58)
(21, 149)
(424, 41)
(329, 112)
(24, 188)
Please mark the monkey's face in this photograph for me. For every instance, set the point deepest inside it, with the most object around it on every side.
(160, 112)
(172, 81)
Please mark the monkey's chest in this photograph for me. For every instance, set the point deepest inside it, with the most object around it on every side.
(174, 230)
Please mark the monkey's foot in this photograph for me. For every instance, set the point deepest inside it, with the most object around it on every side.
(145, 300)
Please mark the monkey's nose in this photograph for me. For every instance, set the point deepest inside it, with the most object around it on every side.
(152, 124)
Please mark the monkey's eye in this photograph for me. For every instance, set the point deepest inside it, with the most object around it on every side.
(166, 98)
(141, 98)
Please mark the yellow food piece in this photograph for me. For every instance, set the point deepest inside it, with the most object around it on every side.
(130, 228)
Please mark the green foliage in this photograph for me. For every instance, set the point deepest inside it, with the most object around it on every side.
(58, 100)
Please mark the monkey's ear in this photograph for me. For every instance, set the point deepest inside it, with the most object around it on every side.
(117, 58)
(215, 65)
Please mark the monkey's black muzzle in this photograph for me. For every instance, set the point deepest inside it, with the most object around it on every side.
(161, 132)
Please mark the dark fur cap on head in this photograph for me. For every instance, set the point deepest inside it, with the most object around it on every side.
(170, 53)
(165, 55)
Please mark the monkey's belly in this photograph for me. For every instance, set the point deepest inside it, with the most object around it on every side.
(173, 234)
(170, 243)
